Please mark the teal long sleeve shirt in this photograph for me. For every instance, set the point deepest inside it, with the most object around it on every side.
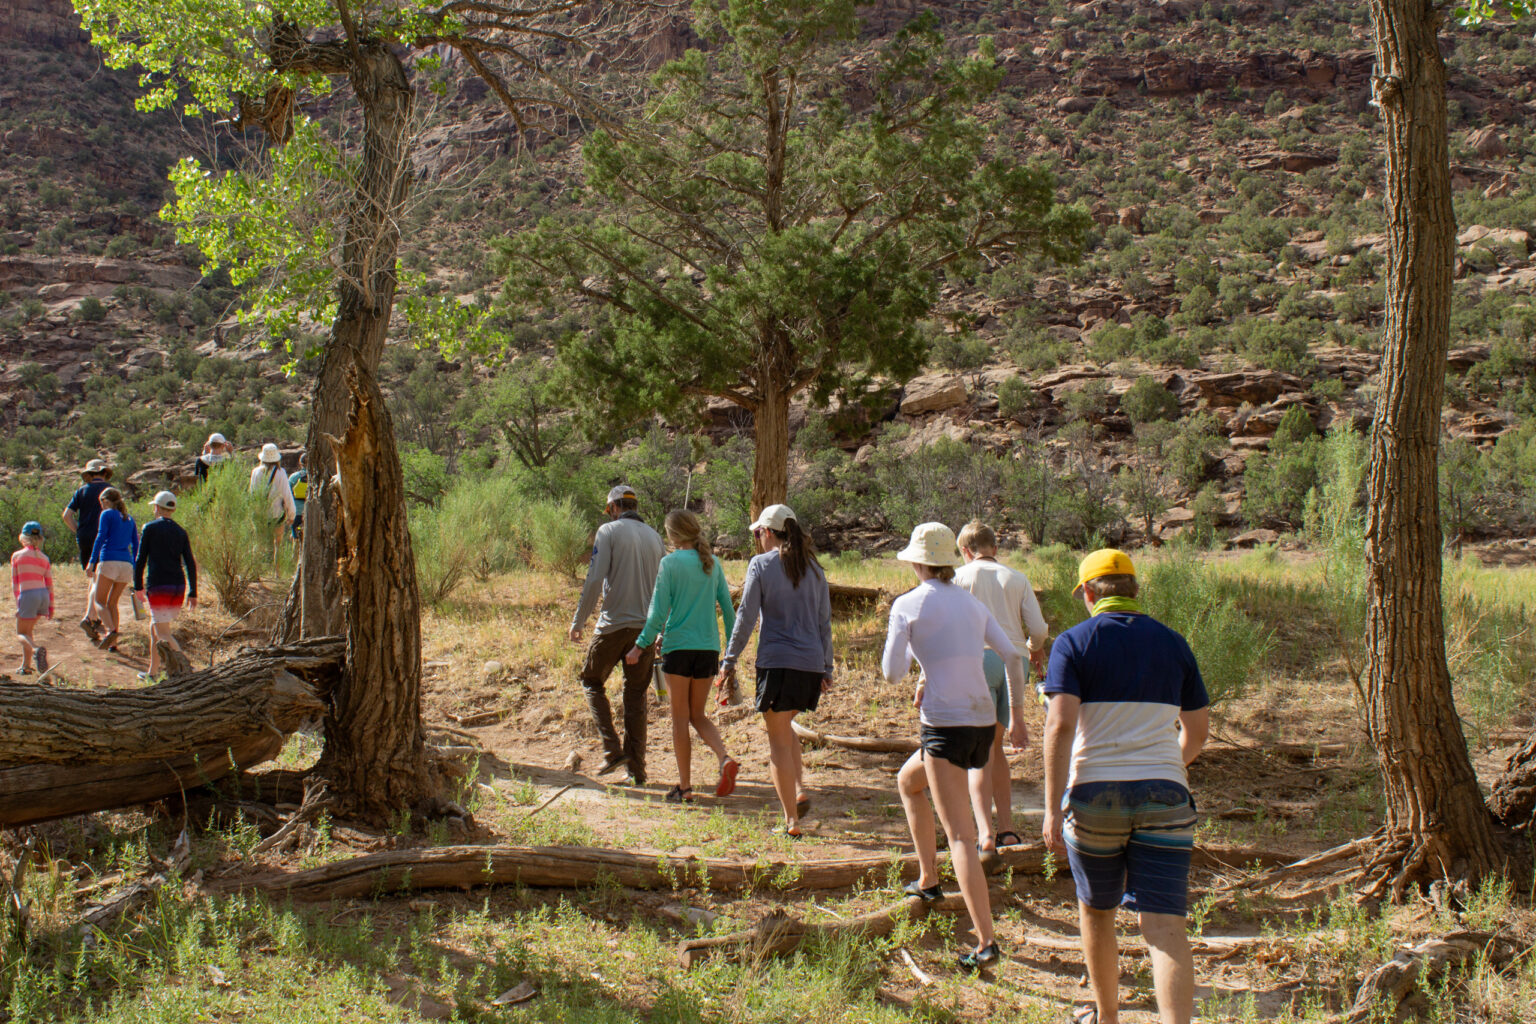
(683, 605)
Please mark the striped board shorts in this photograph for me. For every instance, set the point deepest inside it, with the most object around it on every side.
(1131, 843)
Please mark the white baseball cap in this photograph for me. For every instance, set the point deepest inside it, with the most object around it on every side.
(931, 544)
(217, 438)
(774, 517)
(619, 493)
(269, 453)
(165, 499)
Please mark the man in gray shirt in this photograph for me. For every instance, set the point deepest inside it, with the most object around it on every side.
(625, 559)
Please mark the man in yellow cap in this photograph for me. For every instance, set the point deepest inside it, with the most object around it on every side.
(1128, 712)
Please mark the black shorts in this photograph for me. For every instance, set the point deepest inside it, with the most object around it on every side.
(86, 544)
(787, 689)
(693, 664)
(966, 746)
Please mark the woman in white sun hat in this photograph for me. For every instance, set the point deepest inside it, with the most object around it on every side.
(946, 629)
(786, 587)
(270, 479)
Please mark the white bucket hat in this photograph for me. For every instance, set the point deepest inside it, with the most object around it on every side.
(165, 499)
(774, 517)
(931, 544)
(217, 438)
(269, 453)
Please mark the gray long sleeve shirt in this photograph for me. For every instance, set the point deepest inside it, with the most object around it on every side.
(797, 621)
(625, 557)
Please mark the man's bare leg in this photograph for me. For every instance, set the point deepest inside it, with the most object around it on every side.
(1101, 952)
(1173, 966)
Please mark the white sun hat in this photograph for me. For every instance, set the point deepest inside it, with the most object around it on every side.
(217, 438)
(774, 517)
(270, 454)
(931, 544)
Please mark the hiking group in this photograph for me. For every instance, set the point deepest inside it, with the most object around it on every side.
(157, 562)
(1127, 710)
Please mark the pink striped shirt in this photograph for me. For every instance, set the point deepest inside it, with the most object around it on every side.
(31, 570)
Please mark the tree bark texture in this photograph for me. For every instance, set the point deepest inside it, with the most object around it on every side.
(66, 752)
(770, 428)
(375, 744)
(1436, 819)
(565, 867)
(366, 289)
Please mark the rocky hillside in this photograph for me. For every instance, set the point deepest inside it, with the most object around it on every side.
(1227, 309)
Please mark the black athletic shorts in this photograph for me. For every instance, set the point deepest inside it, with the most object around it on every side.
(787, 689)
(967, 746)
(693, 664)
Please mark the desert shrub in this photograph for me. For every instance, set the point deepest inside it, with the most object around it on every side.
(949, 481)
(1015, 398)
(231, 536)
(557, 536)
(443, 556)
(425, 474)
(1276, 482)
(1275, 344)
(1207, 506)
(1191, 448)
(1147, 400)
(726, 487)
(960, 350)
(91, 310)
(1186, 596)
(32, 498)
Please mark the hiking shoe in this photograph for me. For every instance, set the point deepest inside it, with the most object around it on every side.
(613, 764)
(727, 784)
(108, 642)
(929, 895)
(92, 629)
(680, 795)
(41, 654)
(983, 957)
(636, 775)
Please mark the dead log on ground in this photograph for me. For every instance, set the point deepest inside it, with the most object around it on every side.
(1513, 799)
(65, 752)
(778, 933)
(870, 744)
(569, 867)
(844, 597)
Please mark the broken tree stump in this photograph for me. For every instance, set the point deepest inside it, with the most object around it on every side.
(66, 752)
(1513, 799)
(569, 867)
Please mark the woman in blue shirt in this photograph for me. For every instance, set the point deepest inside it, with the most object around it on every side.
(112, 558)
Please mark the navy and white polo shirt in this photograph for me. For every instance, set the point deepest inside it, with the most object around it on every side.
(1134, 676)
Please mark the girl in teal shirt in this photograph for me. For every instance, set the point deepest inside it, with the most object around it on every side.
(689, 586)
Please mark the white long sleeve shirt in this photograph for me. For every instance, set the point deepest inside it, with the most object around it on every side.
(279, 496)
(946, 630)
(1010, 598)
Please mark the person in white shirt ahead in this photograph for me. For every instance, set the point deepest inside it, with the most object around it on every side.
(945, 628)
(270, 478)
(1010, 598)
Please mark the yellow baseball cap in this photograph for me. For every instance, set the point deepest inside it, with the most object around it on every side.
(1103, 562)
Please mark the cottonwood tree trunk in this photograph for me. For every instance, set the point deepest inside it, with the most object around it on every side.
(375, 745)
(1437, 822)
(358, 574)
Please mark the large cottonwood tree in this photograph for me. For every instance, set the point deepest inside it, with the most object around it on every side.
(1437, 822)
(778, 219)
(316, 231)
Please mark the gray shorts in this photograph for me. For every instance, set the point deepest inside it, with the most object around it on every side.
(32, 604)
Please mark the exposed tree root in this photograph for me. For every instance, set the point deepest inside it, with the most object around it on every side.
(1303, 866)
(563, 867)
(1398, 980)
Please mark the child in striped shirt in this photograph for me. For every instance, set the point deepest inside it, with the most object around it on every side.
(32, 586)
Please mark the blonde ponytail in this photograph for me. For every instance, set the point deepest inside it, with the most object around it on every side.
(685, 531)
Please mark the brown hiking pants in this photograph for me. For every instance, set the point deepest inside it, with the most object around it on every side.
(604, 652)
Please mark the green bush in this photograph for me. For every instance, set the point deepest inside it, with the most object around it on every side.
(1015, 398)
(443, 555)
(1147, 400)
(558, 538)
(1187, 597)
(1276, 482)
(33, 498)
(232, 538)
(91, 310)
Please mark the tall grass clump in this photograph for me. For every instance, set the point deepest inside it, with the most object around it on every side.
(1336, 522)
(1229, 646)
(557, 536)
(231, 535)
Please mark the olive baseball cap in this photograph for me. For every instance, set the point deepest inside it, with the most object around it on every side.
(1103, 562)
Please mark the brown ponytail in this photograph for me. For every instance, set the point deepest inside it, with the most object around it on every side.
(112, 496)
(797, 551)
(684, 531)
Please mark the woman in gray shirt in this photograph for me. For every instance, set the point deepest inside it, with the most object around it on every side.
(787, 589)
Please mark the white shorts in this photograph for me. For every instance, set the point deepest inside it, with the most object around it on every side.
(117, 572)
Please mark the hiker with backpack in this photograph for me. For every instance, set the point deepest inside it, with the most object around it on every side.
(32, 586)
(270, 479)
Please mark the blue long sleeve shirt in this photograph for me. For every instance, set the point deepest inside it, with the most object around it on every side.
(117, 538)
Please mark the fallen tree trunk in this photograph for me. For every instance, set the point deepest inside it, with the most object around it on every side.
(778, 933)
(569, 867)
(66, 752)
(870, 744)
(844, 597)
